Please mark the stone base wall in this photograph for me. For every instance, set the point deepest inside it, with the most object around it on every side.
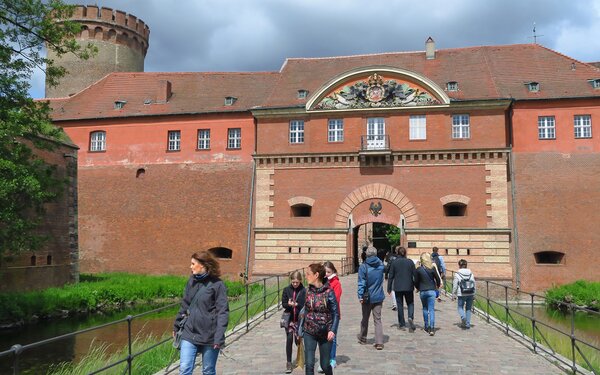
(488, 254)
(282, 250)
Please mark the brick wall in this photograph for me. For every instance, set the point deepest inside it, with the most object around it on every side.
(555, 212)
(56, 262)
(152, 223)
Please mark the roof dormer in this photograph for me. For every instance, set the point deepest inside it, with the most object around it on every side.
(533, 86)
(595, 83)
(452, 86)
(302, 94)
(230, 100)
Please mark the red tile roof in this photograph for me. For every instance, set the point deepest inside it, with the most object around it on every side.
(191, 93)
(487, 72)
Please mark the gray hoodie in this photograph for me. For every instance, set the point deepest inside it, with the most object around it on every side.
(462, 274)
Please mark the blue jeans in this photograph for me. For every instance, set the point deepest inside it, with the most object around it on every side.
(465, 302)
(428, 301)
(310, 345)
(188, 358)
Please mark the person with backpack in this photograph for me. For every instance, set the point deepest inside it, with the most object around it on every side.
(319, 320)
(463, 287)
(438, 261)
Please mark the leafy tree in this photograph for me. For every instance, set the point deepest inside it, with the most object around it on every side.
(393, 235)
(26, 181)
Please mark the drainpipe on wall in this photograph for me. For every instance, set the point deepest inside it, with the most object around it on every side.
(249, 235)
(514, 203)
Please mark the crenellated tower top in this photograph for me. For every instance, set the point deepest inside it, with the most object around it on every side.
(122, 40)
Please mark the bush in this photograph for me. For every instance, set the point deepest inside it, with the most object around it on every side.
(581, 293)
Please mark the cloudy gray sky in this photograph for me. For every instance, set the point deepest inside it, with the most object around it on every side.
(258, 35)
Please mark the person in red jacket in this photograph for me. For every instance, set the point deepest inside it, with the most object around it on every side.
(334, 283)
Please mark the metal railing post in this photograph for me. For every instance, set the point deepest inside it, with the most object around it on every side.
(487, 298)
(247, 309)
(265, 298)
(129, 358)
(278, 292)
(533, 343)
(506, 306)
(17, 349)
(574, 366)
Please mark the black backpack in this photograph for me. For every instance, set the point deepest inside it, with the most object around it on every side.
(467, 286)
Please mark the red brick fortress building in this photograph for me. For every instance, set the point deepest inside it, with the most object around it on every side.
(487, 153)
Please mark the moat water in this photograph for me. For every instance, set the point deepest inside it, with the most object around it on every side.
(72, 349)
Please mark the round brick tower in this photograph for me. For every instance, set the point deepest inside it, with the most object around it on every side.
(122, 42)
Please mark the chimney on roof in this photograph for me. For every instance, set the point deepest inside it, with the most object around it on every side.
(164, 91)
(430, 49)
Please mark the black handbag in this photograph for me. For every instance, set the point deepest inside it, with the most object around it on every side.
(285, 320)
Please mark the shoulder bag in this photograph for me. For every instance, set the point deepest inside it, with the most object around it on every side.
(284, 322)
(177, 338)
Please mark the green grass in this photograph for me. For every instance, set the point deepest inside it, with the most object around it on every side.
(581, 293)
(549, 338)
(106, 291)
(158, 358)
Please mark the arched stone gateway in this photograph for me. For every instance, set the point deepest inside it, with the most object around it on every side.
(376, 191)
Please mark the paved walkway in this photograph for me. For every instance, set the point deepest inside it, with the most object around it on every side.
(483, 349)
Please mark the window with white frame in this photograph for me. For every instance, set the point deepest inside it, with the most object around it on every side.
(461, 127)
(234, 138)
(417, 125)
(203, 139)
(297, 131)
(335, 131)
(583, 126)
(98, 141)
(546, 127)
(174, 140)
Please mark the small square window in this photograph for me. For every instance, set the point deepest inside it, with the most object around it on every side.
(119, 104)
(230, 100)
(234, 138)
(452, 86)
(204, 139)
(583, 126)
(595, 83)
(302, 94)
(297, 131)
(174, 140)
(533, 86)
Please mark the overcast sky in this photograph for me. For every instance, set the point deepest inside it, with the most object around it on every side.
(258, 35)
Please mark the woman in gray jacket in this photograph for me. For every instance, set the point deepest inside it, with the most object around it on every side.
(206, 306)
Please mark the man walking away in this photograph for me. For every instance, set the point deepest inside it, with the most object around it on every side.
(401, 283)
(371, 296)
(463, 287)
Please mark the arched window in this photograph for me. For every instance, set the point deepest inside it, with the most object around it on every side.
(455, 209)
(221, 252)
(301, 210)
(301, 206)
(549, 257)
(455, 204)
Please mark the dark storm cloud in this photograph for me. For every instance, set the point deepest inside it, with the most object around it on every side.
(258, 35)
